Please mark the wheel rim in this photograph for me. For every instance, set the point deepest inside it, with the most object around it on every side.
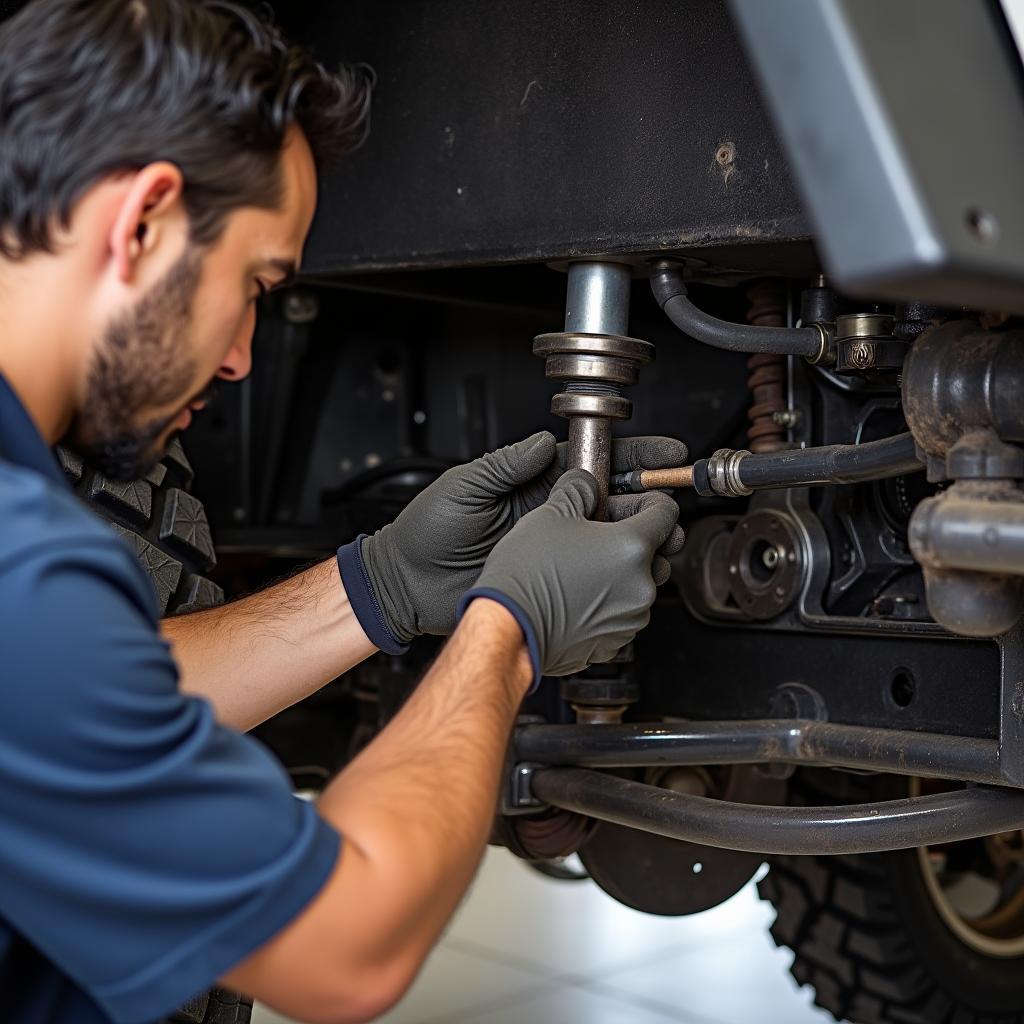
(982, 906)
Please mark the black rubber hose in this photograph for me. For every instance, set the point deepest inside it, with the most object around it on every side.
(845, 829)
(831, 464)
(670, 292)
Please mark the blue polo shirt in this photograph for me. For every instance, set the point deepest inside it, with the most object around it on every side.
(144, 849)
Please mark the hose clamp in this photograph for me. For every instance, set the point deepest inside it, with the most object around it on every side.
(724, 473)
(825, 354)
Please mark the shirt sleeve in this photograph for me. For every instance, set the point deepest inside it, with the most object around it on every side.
(146, 849)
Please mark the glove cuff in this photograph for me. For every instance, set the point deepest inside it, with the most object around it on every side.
(517, 613)
(363, 600)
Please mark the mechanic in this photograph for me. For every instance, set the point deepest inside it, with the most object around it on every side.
(158, 174)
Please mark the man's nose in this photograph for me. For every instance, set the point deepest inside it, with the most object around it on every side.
(238, 361)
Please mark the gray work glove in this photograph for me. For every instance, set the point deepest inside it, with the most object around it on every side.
(407, 578)
(581, 590)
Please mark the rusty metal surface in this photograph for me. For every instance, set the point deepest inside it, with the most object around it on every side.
(590, 448)
(652, 479)
(767, 380)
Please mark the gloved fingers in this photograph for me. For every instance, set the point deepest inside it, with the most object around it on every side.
(630, 453)
(653, 520)
(661, 571)
(675, 541)
(573, 496)
(499, 471)
(623, 506)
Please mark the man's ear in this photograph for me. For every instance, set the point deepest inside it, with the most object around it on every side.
(145, 217)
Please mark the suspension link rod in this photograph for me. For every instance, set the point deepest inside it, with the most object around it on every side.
(852, 828)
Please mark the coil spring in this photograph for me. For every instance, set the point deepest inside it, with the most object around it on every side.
(767, 378)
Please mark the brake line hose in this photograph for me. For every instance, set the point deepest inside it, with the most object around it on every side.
(670, 292)
(734, 474)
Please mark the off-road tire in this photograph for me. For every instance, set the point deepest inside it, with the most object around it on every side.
(164, 523)
(869, 940)
(168, 529)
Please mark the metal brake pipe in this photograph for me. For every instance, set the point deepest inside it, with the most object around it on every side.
(670, 292)
(762, 741)
(846, 829)
(733, 473)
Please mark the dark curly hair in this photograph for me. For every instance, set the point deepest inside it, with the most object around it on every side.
(92, 87)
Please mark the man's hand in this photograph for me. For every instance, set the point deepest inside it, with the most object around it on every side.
(581, 590)
(414, 571)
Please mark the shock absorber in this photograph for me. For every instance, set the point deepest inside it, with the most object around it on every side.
(594, 359)
(767, 379)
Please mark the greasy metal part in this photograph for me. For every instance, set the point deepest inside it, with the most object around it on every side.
(974, 525)
(764, 741)
(669, 290)
(863, 325)
(599, 714)
(847, 829)
(723, 473)
(544, 835)
(733, 474)
(766, 564)
(594, 360)
(865, 341)
(767, 379)
(958, 379)
(677, 878)
(590, 448)
(599, 701)
(969, 541)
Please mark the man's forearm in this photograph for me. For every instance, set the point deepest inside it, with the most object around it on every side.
(419, 802)
(414, 811)
(257, 656)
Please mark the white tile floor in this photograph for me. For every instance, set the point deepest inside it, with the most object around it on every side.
(525, 949)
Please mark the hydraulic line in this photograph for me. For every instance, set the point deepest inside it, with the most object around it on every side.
(734, 474)
(670, 292)
(846, 829)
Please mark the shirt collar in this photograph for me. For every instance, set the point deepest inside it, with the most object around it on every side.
(20, 441)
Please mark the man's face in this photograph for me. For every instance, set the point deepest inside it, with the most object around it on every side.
(157, 360)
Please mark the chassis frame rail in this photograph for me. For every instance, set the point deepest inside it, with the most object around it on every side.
(763, 741)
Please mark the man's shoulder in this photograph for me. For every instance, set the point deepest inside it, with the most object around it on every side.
(42, 523)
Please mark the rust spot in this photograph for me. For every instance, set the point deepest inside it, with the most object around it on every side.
(725, 161)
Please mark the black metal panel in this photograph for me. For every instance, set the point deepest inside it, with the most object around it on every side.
(518, 130)
(692, 670)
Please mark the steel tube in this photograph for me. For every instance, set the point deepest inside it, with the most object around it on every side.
(853, 828)
(597, 298)
(763, 741)
(954, 532)
(597, 302)
(590, 448)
